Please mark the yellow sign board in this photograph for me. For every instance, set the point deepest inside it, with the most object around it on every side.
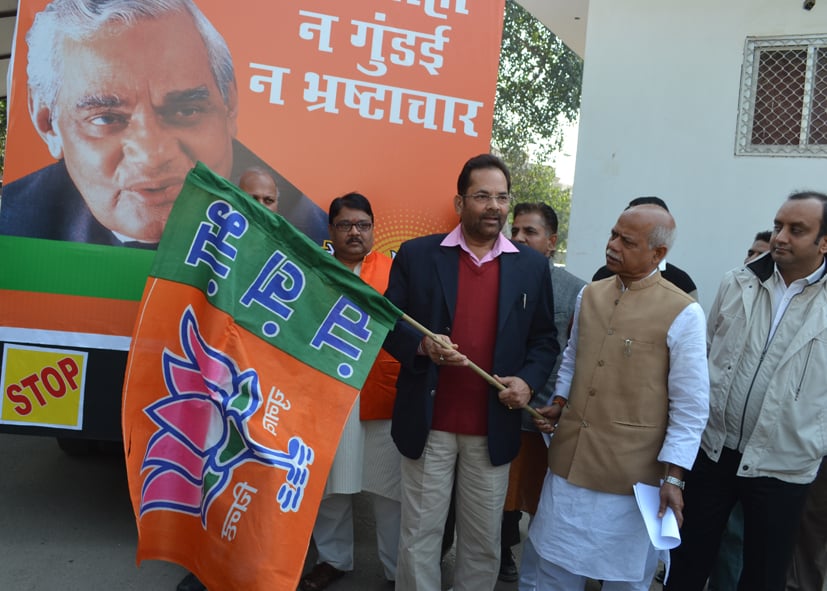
(42, 387)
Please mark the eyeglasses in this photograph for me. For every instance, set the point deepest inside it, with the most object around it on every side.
(362, 226)
(483, 198)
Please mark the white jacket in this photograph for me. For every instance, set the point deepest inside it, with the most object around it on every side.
(790, 438)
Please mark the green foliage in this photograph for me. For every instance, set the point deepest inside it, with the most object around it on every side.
(538, 183)
(539, 83)
(538, 88)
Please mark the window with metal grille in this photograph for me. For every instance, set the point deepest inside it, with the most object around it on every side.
(783, 104)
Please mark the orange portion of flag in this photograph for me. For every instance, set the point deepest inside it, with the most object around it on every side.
(228, 443)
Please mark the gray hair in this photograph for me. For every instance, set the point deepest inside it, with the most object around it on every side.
(80, 19)
(662, 236)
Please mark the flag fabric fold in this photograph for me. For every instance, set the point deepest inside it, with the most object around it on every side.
(250, 347)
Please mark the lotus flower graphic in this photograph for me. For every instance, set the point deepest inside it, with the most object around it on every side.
(203, 432)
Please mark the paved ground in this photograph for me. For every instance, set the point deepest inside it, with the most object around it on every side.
(66, 524)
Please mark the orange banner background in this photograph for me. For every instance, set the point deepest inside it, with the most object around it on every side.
(408, 172)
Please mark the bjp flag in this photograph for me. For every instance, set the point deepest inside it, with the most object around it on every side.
(249, 349)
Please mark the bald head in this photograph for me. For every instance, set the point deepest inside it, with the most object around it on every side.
(660, 221)
(257, 183)
(639, 241)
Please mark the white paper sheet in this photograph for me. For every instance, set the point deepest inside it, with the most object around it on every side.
(663, 531)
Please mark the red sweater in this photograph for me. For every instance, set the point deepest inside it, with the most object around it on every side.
(461, 403)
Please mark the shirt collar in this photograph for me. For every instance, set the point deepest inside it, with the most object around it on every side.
(501, 245)
(623, 287)
(128, 239)
(808, 280)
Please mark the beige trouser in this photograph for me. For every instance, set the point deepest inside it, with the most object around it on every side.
(426, 494)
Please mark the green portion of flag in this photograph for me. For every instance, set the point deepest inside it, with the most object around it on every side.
(73, 268)
(273, 280)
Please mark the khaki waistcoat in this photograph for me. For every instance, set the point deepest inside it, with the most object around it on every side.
(613, 426)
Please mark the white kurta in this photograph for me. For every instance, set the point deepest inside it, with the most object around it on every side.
(381, 473)
(601, 535)
(575, 525)
(366, 459)
(345, 475)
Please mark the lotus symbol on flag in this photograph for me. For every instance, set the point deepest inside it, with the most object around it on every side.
(203, 433)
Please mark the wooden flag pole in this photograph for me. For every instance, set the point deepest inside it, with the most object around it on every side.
(476, 368)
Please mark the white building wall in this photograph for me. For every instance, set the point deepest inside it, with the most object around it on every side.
(658, 117)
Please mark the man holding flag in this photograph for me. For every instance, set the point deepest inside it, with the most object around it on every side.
(227, 441)
(366, 458)
(494, 299)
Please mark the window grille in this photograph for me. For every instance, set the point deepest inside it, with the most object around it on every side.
(783, 103)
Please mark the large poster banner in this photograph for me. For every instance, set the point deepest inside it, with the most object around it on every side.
(249, 350)
(113, 102)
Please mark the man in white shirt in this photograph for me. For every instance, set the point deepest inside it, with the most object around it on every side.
(630, 405)
(765, 440)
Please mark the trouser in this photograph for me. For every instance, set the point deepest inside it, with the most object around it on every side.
(772, 509)
(727, 568)
(808, 567)
(528, 565)
(426, 493)
(552, 577)
(510, 534)
(333, 532)
(450, 524)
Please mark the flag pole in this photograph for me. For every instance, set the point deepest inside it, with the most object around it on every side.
(476, 368)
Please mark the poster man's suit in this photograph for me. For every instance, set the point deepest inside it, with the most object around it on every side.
(47, 204)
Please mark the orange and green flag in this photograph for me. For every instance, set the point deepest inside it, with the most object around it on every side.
(249, 350)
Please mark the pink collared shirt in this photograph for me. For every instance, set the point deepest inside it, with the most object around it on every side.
(501, 245)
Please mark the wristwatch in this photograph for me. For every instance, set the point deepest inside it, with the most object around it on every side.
(675, 481)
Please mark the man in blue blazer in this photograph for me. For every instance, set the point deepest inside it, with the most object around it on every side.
(494, 299)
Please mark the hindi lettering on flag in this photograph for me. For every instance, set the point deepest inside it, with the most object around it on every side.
(249, 350)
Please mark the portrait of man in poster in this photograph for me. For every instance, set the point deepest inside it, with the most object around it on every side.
(128, 95)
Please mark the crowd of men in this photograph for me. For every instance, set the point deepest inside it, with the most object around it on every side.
(723, 416)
